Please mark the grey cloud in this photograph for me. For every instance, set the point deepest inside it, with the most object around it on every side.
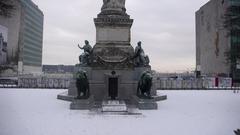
(166, 27)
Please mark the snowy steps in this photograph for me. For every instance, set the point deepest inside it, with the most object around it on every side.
(118, 107)
(114, 106)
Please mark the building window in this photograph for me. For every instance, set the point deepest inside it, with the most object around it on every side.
(235, 37)
(208, 26)
(238, 64)
(202, 18)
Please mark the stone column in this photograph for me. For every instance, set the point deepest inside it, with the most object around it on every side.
(113, 37)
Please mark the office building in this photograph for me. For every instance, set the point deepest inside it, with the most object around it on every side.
(23, 31)
(214, 41)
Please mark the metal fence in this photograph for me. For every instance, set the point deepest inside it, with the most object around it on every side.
(194, 83)
(57, 83)
(63, 82)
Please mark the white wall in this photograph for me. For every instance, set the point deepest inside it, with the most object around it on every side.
(211, 39)
(31, 70)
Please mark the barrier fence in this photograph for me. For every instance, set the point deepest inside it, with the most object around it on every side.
(194, 83)
(41, 81)
(161, 83)
(57, 83)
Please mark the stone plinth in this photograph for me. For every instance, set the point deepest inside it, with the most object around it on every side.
(114, 106)
(112, 56)
(65, 96)
(147, 104)
(127, 81)
(82, 104)
(113, 49)
(113, 30)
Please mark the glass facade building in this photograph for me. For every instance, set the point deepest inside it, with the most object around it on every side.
(23, 37)
(235, 39)
(32, 34)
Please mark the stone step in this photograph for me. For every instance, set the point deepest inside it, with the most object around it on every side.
(114, 106)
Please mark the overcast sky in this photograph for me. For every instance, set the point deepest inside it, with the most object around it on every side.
(165, 27)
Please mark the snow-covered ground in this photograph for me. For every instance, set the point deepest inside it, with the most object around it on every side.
(38, 112)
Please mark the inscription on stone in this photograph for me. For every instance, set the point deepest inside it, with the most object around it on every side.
(113, 34)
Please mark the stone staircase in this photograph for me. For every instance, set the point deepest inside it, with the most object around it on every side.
(114, 106)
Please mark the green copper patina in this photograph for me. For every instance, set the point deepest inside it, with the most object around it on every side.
(144, 86)
(84, 58)
(140, 59)
(82, 85)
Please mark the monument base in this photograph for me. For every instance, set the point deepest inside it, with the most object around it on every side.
(110, 84)
(82, 104)
(114, 106)
(65, 96)
(147, 104)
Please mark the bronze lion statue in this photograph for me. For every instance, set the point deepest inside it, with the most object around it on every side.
(82, 85)
(144, 86)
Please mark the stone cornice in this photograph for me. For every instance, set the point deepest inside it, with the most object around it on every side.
(112, 21)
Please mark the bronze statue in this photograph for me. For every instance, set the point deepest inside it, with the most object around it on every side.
(118, 5)
(82, 85)
(84, 58)
(140, 59)
(144, 86)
